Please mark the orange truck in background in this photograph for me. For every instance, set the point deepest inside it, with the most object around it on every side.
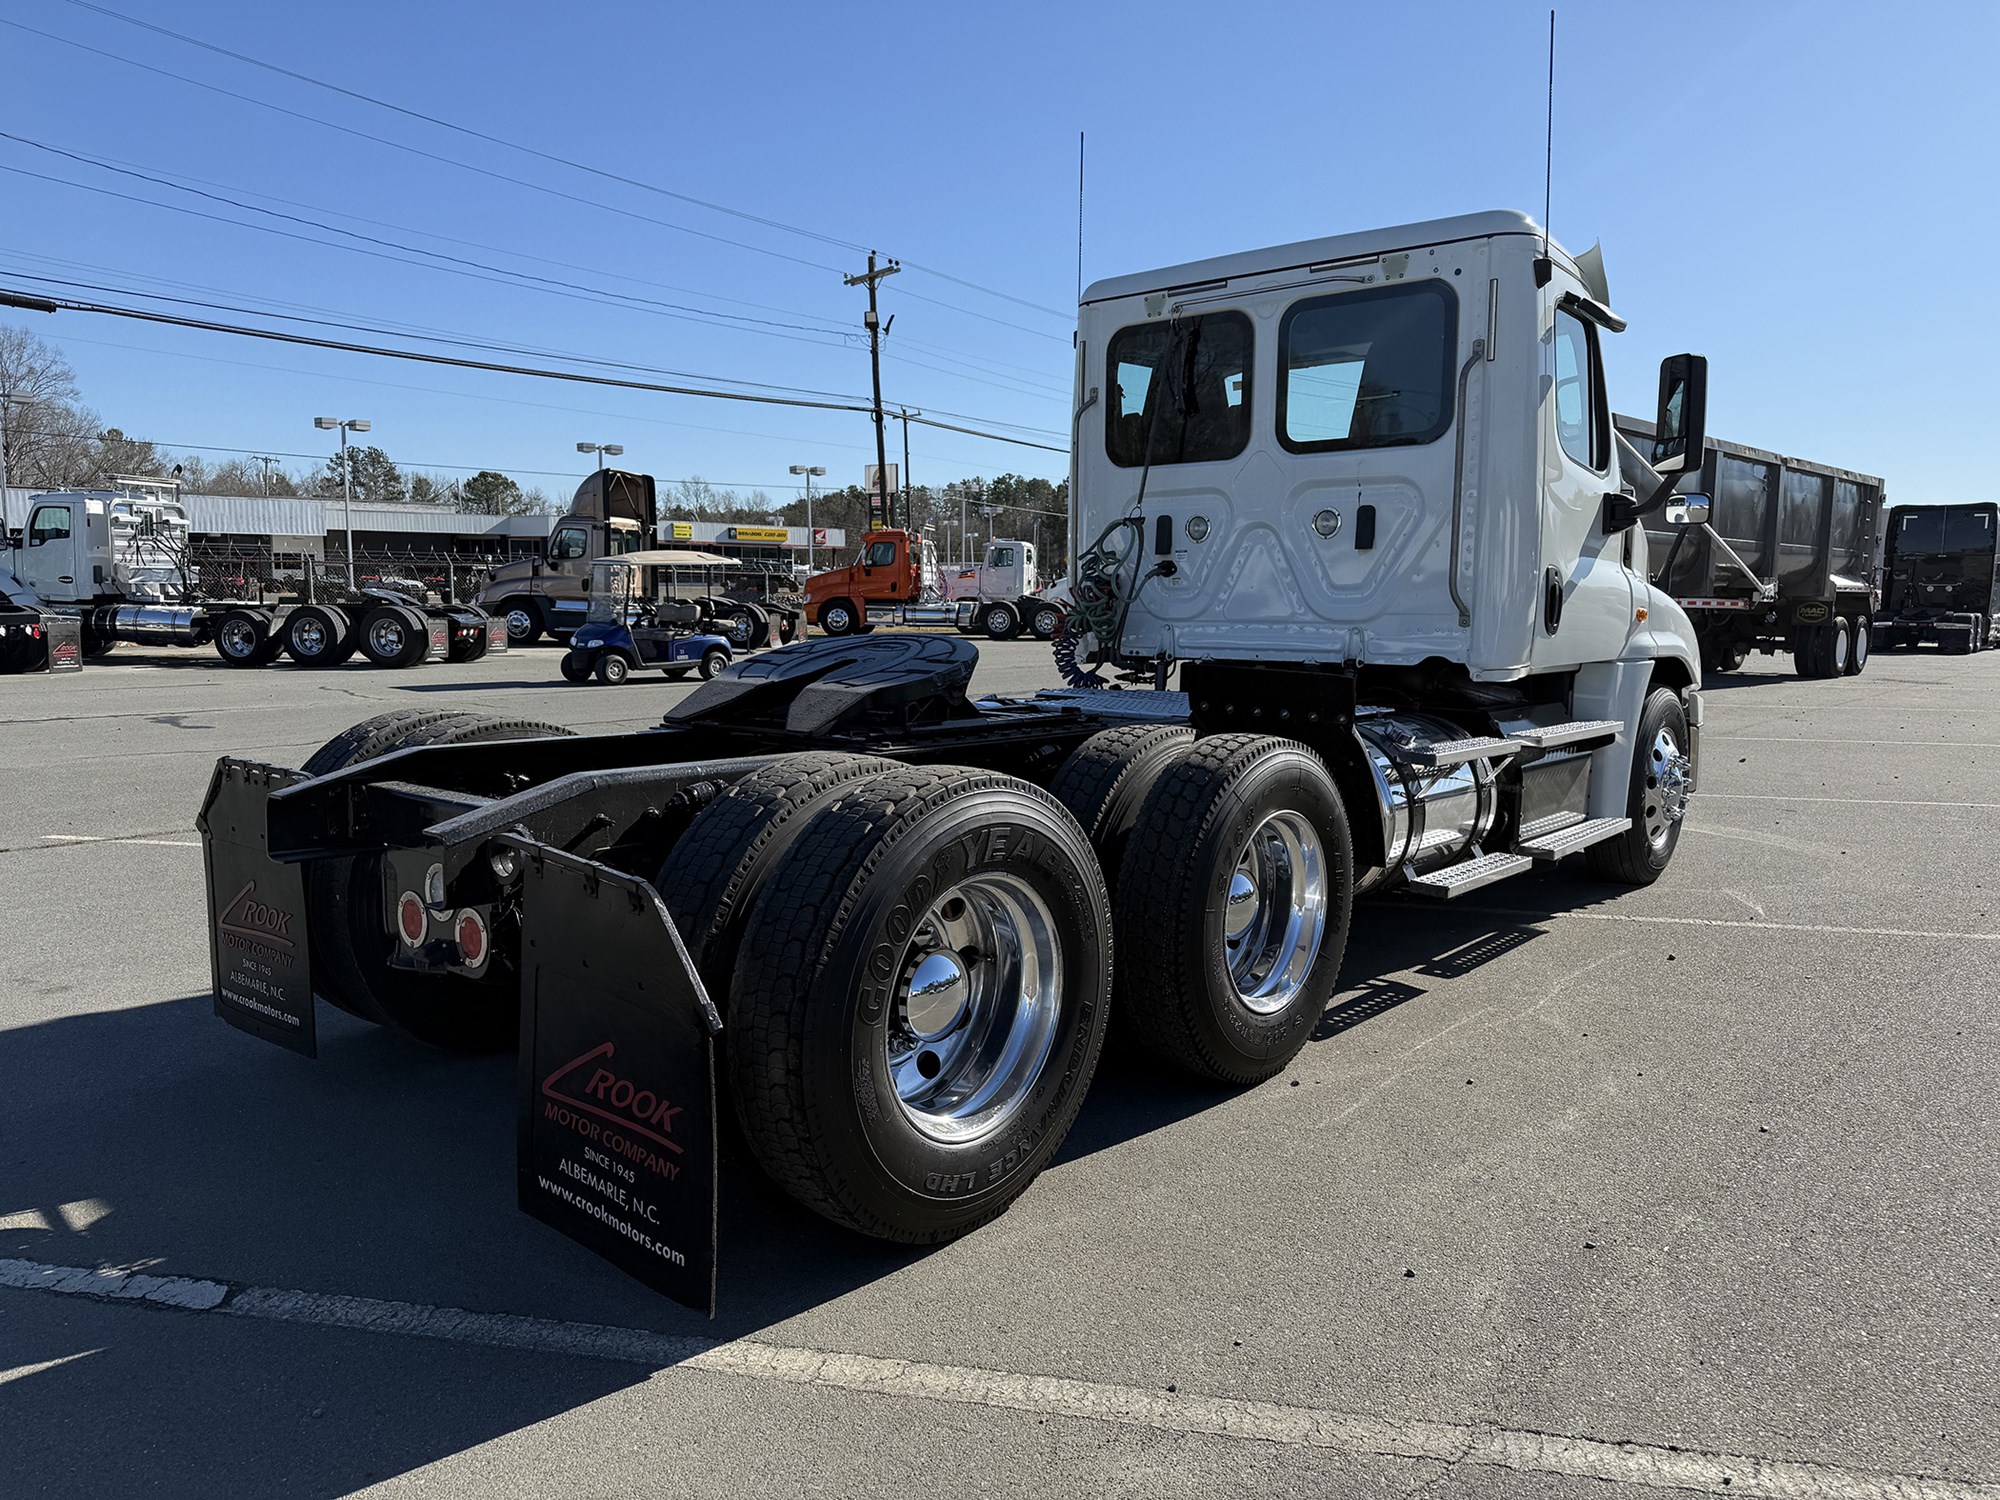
(892, 568)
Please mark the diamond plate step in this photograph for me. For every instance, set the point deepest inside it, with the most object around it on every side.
(1576, 836)
(1458, 752)
(1574, 733)
(1456, 880)
(1541, 828)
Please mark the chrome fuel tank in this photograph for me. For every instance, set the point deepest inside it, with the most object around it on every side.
(1430, 816)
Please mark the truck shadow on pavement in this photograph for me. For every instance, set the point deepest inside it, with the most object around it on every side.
(157, 1139)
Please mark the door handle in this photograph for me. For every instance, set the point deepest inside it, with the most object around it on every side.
(66, 578)
(1552, 599)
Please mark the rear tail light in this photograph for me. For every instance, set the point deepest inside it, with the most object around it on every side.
(412, 922)
(469, 931)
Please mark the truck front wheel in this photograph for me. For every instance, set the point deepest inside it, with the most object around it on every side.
(1001, 623)
(524, 620)
(1234, 897)
(240, 637)
(839, 617)
(914, 1028)
(1656, 799)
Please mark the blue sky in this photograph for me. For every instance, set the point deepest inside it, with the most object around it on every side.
(1791, 189)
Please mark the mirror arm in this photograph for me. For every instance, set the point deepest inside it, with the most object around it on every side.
(1621, 512)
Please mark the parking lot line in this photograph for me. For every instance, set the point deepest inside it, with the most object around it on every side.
(1619, 916)
(1163, 1410)
(96, 838)
(1845, 801)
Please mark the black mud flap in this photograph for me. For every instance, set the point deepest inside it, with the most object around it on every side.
(617, 1144)
(257, 941)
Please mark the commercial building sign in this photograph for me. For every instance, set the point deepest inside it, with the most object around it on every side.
(680, 531)
(775, 536)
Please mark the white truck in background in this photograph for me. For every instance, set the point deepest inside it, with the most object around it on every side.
(1004, 595)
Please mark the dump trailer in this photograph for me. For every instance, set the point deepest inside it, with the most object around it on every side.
(117, 562)
(1786, 562)
(1939, 581)
(1351, 533)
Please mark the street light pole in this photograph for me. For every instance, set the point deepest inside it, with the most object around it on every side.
(357, 424)
(809, 470)
(602, 450)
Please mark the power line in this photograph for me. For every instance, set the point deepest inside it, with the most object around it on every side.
(30, 303)
(548, 156)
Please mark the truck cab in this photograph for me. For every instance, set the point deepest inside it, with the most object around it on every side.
(891, 567)
(613, 513)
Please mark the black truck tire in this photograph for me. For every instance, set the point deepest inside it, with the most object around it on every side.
(352, 946)
(760, 626)
(987, 1058)
(840, 617)
(1001, 622)
(1047, 623)
(1859, 647)
(318, 635)
(1105, 781)
(394, 635)
(716, 869)
(1640, 855)
(242, 638)
(1234, 899)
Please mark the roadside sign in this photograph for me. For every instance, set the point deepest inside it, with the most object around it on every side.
(819, 536)
(767, 535)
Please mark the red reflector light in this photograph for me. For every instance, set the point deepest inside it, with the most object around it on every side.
(411, 922)
(471, 934)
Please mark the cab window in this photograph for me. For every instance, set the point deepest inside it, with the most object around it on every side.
(50, 524)
(1580, 424)
(880, 554)
(1003, 557)
(1180, 391)
(1367, 369)
(626, 539)
(566, 544)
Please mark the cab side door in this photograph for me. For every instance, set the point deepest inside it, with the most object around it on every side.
(50, 560)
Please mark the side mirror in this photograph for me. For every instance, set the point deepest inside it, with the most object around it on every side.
(1686, 510)
(1681, 427)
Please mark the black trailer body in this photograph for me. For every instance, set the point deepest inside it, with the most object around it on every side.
(1940, 578)
(1787, 561)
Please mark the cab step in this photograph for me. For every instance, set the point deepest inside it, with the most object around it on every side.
(1579, 835)
(1456, 880)
(1457, 752)
(1572, 735)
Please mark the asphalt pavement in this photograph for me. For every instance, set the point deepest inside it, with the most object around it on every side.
(1578, 1190)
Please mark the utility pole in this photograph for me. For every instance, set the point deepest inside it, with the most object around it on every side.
(878, 507)
(264, 483)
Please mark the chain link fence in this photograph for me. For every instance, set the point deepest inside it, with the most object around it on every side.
(223, 571)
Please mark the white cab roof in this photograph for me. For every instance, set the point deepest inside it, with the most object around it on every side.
(1303, 253)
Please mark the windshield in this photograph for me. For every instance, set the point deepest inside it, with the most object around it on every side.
(1944, 528)
(610, 594)
(1185, 384)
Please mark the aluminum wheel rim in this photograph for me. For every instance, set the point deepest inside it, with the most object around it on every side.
(239, 638)
(1275, 913)
(977, 1004)
(386, 636)
(1666, 787)
(518, 623)
(837, 620)
(309, 636)
(997, 620)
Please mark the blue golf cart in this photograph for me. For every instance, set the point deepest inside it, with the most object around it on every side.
(634, 621)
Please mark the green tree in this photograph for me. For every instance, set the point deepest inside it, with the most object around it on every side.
(492, 493)
(375, 477)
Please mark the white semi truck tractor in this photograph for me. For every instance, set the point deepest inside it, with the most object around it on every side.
(1359, 605)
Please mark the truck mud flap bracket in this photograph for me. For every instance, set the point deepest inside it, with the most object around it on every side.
(259, 948)
(616, 1080)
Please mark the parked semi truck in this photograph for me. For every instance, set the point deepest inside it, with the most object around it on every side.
(1939, 581)
(1358, 495)
(1785, 563)
(113, 560)
(612, 513)
(895, 579)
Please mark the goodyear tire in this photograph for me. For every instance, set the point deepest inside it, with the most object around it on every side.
(884, 1077)
(352, 941)
(840, 617)
(1656, 798)
(1106, 780)
(318, 635)
(1234, 899)
(717, 869)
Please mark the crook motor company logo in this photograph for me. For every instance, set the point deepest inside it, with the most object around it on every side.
(256, 921)
(588, 1095)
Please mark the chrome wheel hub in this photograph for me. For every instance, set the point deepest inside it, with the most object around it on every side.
(976, 1008)
(1275, 915)
(310, 637)
(837, 621)
(1667, 786)
(238, 639)
(386, 636)
(518, 623)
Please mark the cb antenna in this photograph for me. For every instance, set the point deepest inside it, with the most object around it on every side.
(1544, 268)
